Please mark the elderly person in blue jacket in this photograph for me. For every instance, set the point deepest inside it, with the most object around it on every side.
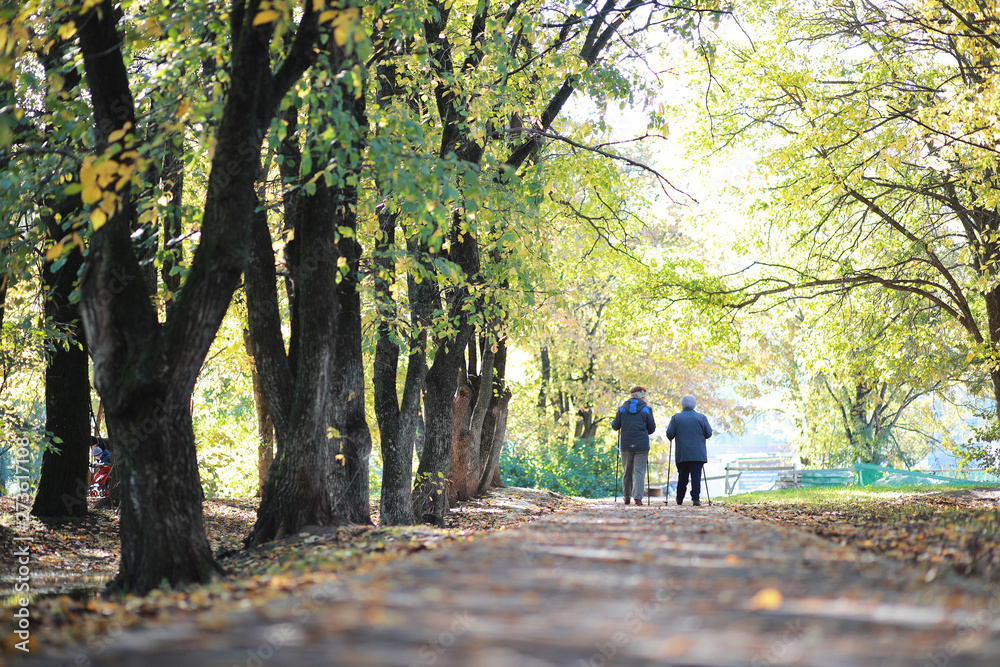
(689, 430)
(635, 422)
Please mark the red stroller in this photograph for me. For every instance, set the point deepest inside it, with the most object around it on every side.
(99, 484)
(101, 465)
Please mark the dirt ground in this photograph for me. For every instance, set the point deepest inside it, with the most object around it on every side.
(592, 583)
(934, 534)
(73, 560)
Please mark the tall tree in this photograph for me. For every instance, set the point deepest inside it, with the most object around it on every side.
(315, 393)
(145, 371)
(62, 486)
(884, 175)
(586, 35)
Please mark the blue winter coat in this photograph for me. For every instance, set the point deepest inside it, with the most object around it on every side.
(689, 430)
(635, 421)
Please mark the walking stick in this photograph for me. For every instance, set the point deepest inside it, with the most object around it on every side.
(618, 455)
(704, 479)
(647, 481)
(670, 456)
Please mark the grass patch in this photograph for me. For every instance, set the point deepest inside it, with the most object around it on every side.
(951, 531)
(822, 496)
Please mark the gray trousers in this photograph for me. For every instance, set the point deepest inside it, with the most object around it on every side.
(634, 466)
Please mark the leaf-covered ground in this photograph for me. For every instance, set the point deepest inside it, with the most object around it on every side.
(945, 531)
(72, 560)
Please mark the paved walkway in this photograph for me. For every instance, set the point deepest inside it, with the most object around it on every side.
(609, 585)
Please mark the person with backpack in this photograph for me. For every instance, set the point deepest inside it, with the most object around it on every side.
(689, 430)
(634, 421)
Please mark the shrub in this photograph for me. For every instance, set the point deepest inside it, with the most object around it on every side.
(584, 468)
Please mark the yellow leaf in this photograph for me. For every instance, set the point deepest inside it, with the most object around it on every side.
(148, 216)
(767, 599)
(67, 30)
(266, 16)
(107, 171)
(343, 24)
(118, 134)
(126, 176)
(328, 15)
(318, 5)
(98, 218)
(109, 204)
(54, 252)
(91, 193)
(88, 174)
(78, 242)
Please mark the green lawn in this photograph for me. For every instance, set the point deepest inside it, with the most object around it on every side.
(943, 530)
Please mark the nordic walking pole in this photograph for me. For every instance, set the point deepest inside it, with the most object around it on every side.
(705, 482)
(618, 455)
(646, 490)
(670, 456)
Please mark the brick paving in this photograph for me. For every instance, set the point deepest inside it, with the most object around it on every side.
(604, 585)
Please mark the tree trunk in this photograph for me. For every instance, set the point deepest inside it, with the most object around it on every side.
(461, 442)
(399, 419)
(430, 500)
(490, 477)
(290, 167)
(162, 534)
(62, 487)
(496, 411)
(265, 429)
(470, 418)
(484, 398)
(586, 425)
(306, 483)
(347, 389)
(347, 404)
(395, 506)
(146, 372)
(145, 387)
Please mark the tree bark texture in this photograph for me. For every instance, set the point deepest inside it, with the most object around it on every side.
(490, 478)
(146, 372)
(321, 474)
(399, 416)
(62, 486)
(495, 423)
(395, 503)
(347, 387)
(265, 429)
(461, 440)
(472, 406)
(307, 483)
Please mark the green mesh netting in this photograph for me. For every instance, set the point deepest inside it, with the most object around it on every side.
(882, 476)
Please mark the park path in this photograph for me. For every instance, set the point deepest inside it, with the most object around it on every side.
(606, 584)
